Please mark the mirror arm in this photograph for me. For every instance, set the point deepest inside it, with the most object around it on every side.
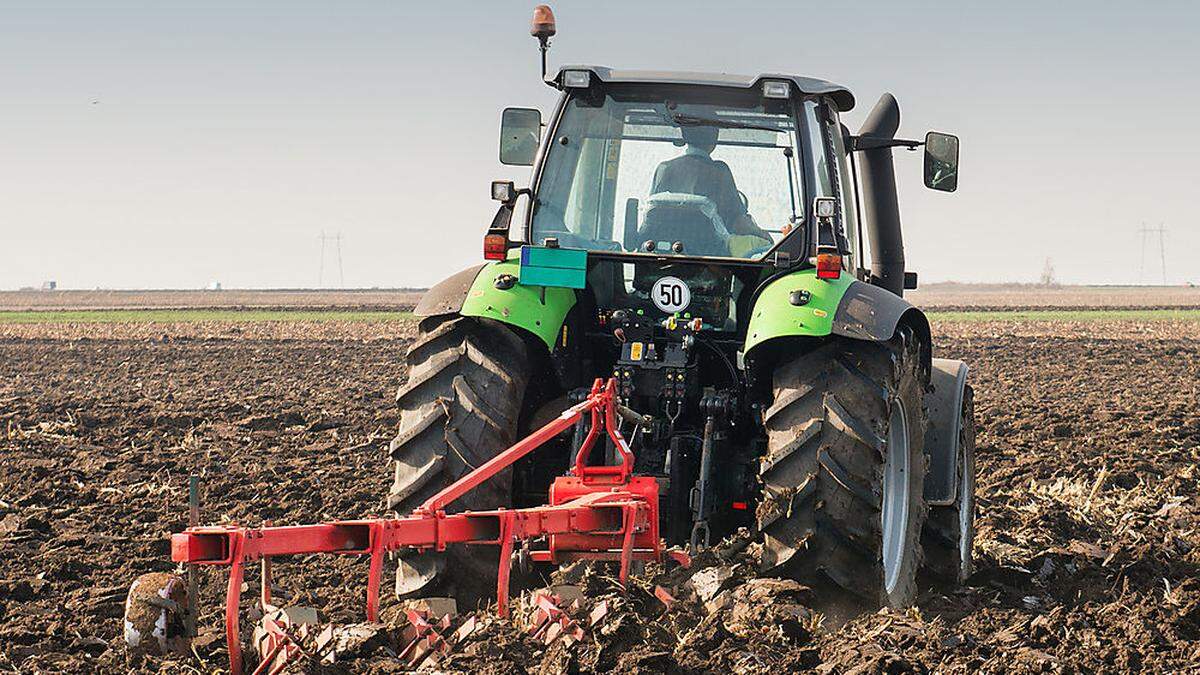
(502, 221)
(860, 143)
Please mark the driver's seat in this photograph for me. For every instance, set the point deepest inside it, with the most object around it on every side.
(670, 217)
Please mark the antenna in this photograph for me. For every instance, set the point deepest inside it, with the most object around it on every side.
(1149, 233)
(337, 243)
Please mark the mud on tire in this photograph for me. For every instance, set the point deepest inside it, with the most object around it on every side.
(823, 476)
(949, 532)
(459, 408)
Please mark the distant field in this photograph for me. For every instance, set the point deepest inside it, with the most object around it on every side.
(401, 298)
(1182, 314)
(1028, 296)
(198, 315)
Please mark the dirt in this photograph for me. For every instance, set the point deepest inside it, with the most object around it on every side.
(941, 296)
(1088, 548)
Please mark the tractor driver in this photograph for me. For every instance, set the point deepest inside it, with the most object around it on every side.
(697, 173)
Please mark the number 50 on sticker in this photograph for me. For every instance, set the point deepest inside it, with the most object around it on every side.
(671, 295)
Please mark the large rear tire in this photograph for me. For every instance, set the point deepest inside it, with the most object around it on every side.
(845, 468)
(459, 408)
(949, 533)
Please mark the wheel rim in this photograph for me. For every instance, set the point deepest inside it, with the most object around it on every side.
(966, 516)
(895, 498)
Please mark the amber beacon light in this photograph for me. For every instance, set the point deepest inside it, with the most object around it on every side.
(543, 28)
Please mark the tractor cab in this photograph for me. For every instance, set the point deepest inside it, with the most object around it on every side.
(709, 181)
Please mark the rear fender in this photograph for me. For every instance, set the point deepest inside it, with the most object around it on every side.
(474, 291)
(447, 296)
(845, 307)
(944, 401)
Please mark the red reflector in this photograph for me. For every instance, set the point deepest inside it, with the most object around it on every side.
(740, 506)
(495, 247)
(829, 266)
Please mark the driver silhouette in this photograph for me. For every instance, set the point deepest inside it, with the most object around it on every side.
(696, 173)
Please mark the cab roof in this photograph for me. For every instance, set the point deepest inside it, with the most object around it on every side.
(807, 85)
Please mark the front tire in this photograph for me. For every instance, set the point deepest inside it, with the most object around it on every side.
(459, 408)
(844, 474)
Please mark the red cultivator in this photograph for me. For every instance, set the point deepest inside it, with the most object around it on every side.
(598, 513)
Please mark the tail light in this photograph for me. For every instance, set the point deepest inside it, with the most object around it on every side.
(829, 265)
(495, 247)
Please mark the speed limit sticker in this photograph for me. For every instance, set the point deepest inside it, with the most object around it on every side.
(671, 295)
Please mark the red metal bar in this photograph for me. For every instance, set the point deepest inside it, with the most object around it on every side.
(506, 549)
(233, 596)
(495, 465)
(627, 546)
(604, 420)
(596, 515)
(375, 574)
(268, 658)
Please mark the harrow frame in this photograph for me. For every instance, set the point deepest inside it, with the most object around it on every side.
(597, 513)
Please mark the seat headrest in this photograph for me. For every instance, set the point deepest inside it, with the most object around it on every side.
(675, 200)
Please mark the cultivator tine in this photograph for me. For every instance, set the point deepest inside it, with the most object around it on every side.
(425, 639)
(233, 598)
(627, 544)
(505, 569)
(190, 617)
(264, 596)
(551, 622)
(278, 641)
(374, 575)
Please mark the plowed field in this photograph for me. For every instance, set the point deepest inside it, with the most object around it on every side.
(1089, 532)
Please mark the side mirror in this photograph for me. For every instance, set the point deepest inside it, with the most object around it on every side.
(941, 161)
(520, 131)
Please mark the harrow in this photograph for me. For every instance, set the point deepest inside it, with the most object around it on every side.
(598, 512)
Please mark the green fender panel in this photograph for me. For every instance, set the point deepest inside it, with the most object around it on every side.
(775, 316)
(843, 306)
(520, 306)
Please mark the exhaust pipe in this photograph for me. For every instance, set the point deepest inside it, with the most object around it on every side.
(882, 210)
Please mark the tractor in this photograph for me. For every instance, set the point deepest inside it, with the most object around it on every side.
(699, 239)
(678, 344)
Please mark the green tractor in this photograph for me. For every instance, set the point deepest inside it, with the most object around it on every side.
(699, 237)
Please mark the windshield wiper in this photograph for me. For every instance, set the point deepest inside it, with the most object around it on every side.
(690, 121)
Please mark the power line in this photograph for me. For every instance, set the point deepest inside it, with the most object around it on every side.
(1148, 233)
(337, 243)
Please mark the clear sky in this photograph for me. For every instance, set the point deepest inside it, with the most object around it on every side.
(172, 144)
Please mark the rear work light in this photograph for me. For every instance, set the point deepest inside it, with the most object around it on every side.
(495, 247)
(829, 265)
(776, 89)
(577, 79)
